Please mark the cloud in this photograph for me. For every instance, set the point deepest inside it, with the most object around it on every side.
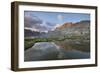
(33, 22)
(50, 24)
(60, 17)
(30, 20)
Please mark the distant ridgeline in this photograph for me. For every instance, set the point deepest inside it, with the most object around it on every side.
(67, 29)
(81, 28)
(30, 33)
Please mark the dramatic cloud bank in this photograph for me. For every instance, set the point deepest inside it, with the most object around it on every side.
(35, 23)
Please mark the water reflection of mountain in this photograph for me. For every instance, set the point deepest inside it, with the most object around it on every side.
(76, 44)
(51, 51)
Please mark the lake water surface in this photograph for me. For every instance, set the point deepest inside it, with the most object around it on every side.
(56, 51)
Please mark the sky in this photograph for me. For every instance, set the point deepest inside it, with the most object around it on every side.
(47, 21)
